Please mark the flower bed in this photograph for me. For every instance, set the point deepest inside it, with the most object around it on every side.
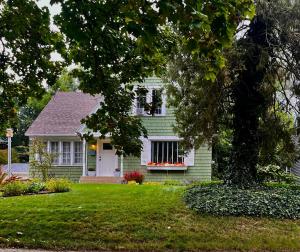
(16, 188)
(135, 176)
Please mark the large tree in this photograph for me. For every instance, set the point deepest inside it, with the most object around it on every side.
(263, 64)
(26, 44)
(118, 42)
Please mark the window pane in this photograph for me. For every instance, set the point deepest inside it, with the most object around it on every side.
(78, 152)
(54, 149)
(160, 151)
(66, 153)
(180, 154)
(107, 146)
(170, 152)
(166, 151)
(157, 100)
(140, 105)
(175, 152)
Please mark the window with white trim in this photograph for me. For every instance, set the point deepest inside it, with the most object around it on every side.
(54, 149)
(66, 152)
(157, 99)
(140, 104)
(78, 152)
(145, 101)
(166, 152)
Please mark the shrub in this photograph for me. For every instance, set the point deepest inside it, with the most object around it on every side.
(15, 188)
(58, 185)
(44, 160)
(274, 173)
(12, 178)
(278, 202)
(3, 156)
(207, 183)
(134, 176)
(292, 186)
(35, 187)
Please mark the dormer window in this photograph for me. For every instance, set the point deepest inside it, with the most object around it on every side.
(150, 101)
(140, 104)
(157, 99)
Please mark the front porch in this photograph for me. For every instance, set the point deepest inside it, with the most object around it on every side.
(100, 162)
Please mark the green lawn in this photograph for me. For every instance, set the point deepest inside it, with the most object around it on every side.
(129, 217)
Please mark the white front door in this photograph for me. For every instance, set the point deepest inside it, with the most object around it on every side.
(107, 159)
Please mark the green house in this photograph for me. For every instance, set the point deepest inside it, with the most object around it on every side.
(58, 125)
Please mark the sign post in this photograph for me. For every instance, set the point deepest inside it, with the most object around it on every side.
(9, 135)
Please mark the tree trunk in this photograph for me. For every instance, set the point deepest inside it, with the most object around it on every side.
(249, 105)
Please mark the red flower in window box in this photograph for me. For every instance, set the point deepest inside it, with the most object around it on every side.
(151, 163)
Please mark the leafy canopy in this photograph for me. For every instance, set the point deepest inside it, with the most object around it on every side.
(118, 42)
(26, 44)
(248, 96)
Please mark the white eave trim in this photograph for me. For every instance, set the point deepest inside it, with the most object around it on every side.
(170, 138)
(57, 135)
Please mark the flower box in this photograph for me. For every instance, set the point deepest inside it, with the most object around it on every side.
(166, 168)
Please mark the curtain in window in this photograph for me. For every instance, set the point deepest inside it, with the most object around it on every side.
(78, 155)
(66, 152)
(54, 149)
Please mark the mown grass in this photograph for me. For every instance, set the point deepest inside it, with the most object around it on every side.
(137, 218)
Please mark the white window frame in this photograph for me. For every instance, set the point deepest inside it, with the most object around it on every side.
(60, 152)
(149, 100)
(49, 148)
(166, 147)
(189, 159)
(69, 153)
(74, 153)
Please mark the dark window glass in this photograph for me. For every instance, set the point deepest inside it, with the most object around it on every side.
(166, 151)
(141, 102)
(107, 146)
(157, 100)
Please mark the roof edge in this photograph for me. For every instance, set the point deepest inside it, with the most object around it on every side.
(33, 135)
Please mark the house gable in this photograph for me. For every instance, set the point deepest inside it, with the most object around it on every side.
(62, 115)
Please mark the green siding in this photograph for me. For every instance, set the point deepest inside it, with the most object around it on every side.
(200, 171)
(70, 172)
(160, 125)
(156, 126)
(163, 126)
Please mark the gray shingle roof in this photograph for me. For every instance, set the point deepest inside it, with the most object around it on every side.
(62, 115)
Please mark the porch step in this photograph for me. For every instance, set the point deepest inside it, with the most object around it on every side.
(100, 180)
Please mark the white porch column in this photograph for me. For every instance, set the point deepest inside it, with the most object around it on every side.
(122, 165)
(84, 158)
